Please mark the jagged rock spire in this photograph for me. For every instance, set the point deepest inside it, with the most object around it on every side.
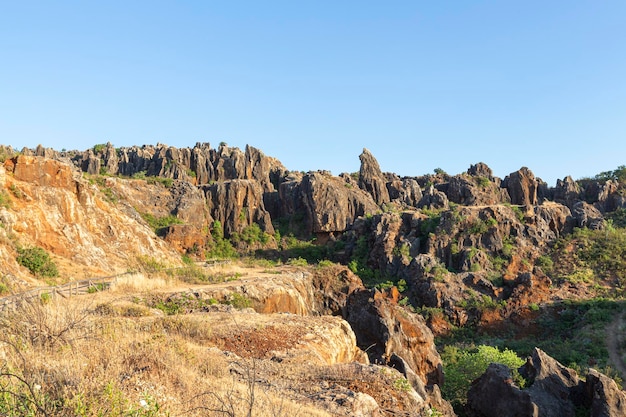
(371, 178)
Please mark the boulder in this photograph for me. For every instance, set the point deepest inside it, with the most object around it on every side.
(553, 391)
(587, 216)
(481, 170)
(189, 204)
(603, 396)
(495, 395)
(384, 328)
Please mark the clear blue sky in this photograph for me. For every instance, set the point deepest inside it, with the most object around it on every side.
(421, 84)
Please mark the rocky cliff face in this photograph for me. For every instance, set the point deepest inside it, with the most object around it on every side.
(51, 206)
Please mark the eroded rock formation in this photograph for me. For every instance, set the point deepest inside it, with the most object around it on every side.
(553, 391)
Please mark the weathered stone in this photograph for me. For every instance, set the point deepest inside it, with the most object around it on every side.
(71, 219)
(188, 203)
(383, 328)
(495, 395)
(371, 178)
(237, 204)
(587, 216)
(567, 191)
(554, 390)
(41, 171)
(186, 238)
(475, 191)
(522, 187)
(330, 205)
(481, 170)
(433, 199)
(603, 396)
(406, 191)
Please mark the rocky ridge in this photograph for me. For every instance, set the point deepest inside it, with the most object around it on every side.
(470, 246)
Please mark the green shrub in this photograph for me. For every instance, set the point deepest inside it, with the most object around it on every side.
(166, 182)
(618, 175)
(402, 250)
(462, 366)
(99, 148)
(238, 301)
(325, 263)
(618, 218)
(478, 227)
(545, 263)
(96, 288)
(218, 246)
(45, 297)
(38, 261)
(483, 181)
(297, 262)
(150, 264)
(252, 234)
(518, 213)
(430, 225)
(158, 224)
(5, 200)
(402, 385)
(16, 191)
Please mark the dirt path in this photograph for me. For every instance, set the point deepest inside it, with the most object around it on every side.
(612, 344)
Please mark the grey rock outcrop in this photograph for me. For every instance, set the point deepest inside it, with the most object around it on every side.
(603, 396)
(433, 199)
(476, 190)
(495, 395)
(522, 187)
(407, 191)
(567, 191)
(329, 204)
(554, 391)
(384, 329)
(237, 204)
(371, 178)
(587, 215)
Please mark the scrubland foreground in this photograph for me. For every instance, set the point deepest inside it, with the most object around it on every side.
(146, 347)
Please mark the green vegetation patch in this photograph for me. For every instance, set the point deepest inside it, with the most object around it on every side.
(159, 224)
(38, 261)
(462, 366)
(5, 200)
(572, 332)
(592, 256)
(219, 247)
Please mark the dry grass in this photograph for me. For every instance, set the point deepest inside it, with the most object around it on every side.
(109, 354)
(67, 358)
(130, 283)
